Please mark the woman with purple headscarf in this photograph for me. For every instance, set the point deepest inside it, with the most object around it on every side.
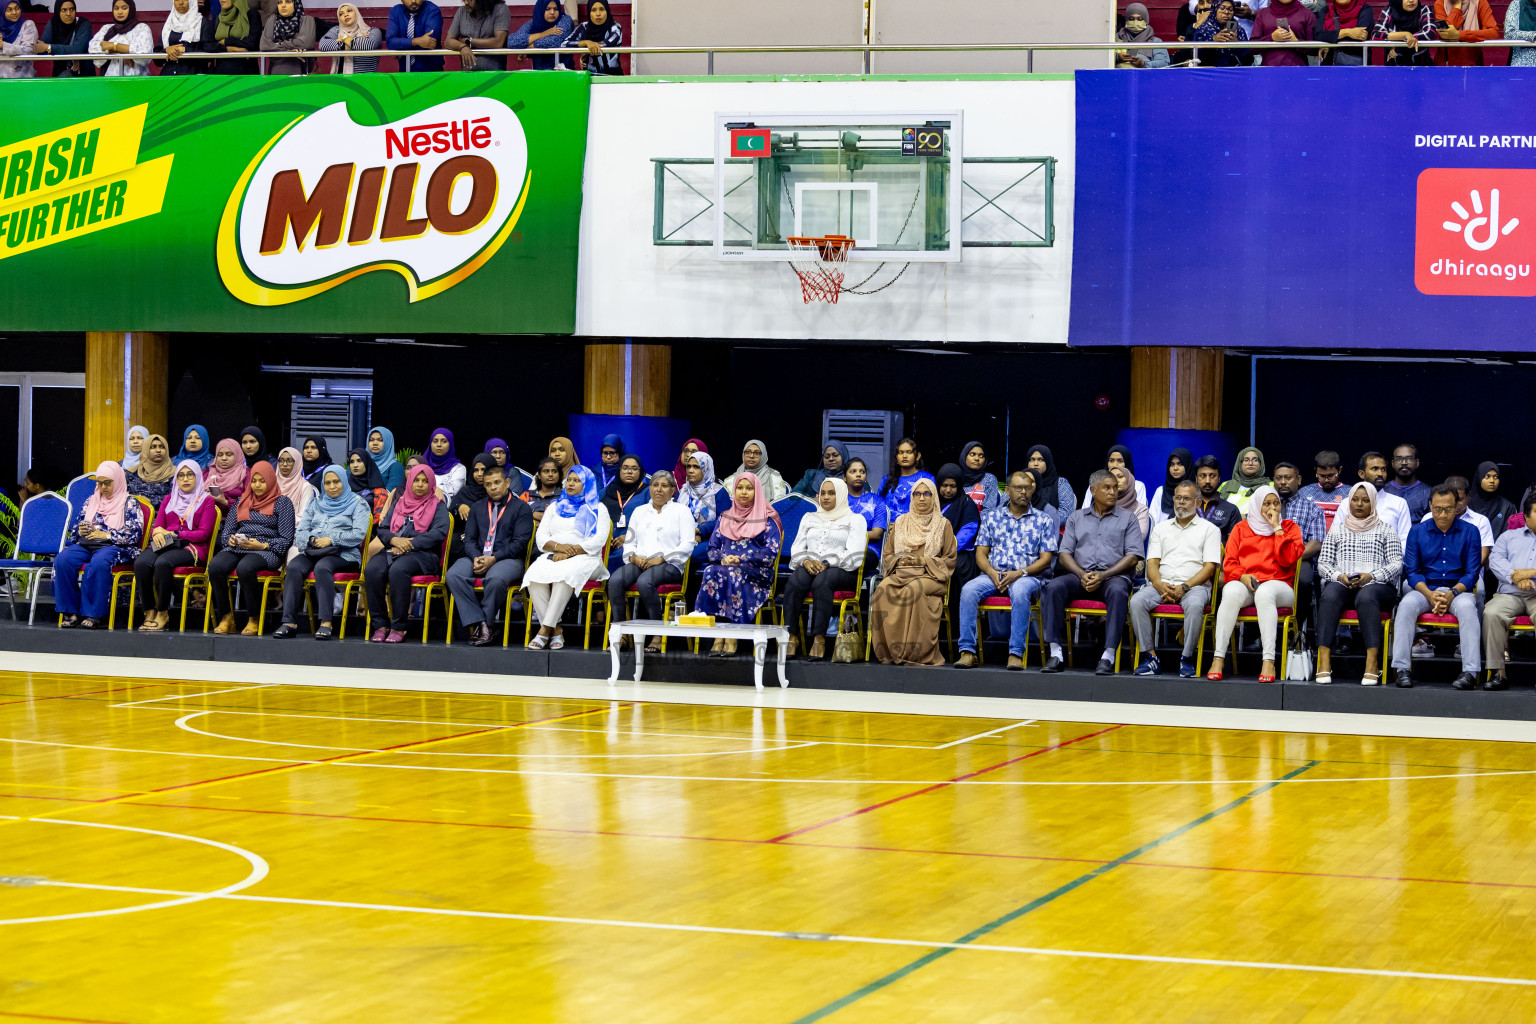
(450, 472)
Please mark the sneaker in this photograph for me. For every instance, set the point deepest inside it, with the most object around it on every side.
(1187, 669)
(1148, 666)
(1423, 649)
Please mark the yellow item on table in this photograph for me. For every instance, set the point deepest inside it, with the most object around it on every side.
(696, 619)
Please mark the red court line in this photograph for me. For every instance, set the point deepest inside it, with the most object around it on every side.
(940, 785)
(87, 693)
(44, 1016)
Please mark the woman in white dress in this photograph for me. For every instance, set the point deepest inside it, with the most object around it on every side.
(125, 33)
(571, 537)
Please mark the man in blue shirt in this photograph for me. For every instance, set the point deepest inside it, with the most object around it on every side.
(1442, 562)
(1014, 551)
(1513, 563)
(415, 25)
(1405, 482)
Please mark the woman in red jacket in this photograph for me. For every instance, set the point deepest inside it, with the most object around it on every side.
(1469, 21)
(1260, 564)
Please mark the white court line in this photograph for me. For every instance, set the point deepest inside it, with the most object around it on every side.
(258, 871)
(980, 735)
(776, 779)
(181, 723)
(817, 936)
(188, 696)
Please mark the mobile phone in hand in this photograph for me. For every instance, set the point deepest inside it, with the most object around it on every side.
(1284, 23)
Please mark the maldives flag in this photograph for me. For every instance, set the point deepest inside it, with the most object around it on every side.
(749, 142)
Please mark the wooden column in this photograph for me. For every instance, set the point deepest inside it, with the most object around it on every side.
(628, 380)
(1176, 388)
(125, 383)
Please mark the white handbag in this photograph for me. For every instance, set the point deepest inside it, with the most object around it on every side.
(1298, 667)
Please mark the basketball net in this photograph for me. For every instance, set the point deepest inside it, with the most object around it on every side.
(820, 265)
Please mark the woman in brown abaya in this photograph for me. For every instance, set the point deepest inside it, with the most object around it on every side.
(908, 606)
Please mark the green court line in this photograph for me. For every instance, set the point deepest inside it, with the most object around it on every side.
(1037, 903)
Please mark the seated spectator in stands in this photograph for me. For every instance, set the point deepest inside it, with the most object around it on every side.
(690, 446)
(1180, 467)
(237, 29)
(472, 492)
(1125, 498)
(496, 535)
(1467, 21)
(964, 522)
(180, 538)
(18, 37)
(546, 30)
(1360, 564)
(195, 446)
(738, 581)
(564, 452)
(1486, 501)
(32, 484)
(1464, 512)
(183, 32)
(834, 461)
(1119, 457)
(826, 556)
(1015, 550)
(363, 479)
(1187, 18)
(1054, 496)
(546, 488)
(1410, 22)
(595, 35)
(500, 451)
(226, 478)
(480, 25)
(352, 35)
(1442, 561)
(1314, 529)
(1283, 21)
(316, 455)
(412, 530)
(1223, 27)
(1257, 572)
(877, 515)
(291, 30)
(570, 539)
(1137, 29)
(1519, 23)
(1183, 556)
(906, 469)
(137, 435)
(1373, 470)
(66, 32)
(1405, 483)
(328, 540)
(657, 543)
(1247, 477)
(381, 450)
(446, 467)
(979, 485)
(1099, 551)
(608, 456)
(125, 33)
(1214, 509)
(917, 561)
(106, 535)
(1513, 564)
(1329, 490)
(415, 25)
(629, 491)
(253, 446)
(292, 485)
(151, 478)
(754, 460)
(255, 538)
(1342, 22)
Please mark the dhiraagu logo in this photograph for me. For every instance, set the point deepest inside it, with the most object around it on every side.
(1475, 232)
(430, 197)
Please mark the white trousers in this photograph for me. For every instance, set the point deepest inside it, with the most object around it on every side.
(1271, 595)
(549, 600)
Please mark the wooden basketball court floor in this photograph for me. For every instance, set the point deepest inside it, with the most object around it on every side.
(275, 851)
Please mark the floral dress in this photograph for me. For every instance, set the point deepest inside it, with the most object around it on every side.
(125, 539)
(735, 593)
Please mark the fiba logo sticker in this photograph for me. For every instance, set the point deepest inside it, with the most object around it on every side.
(1475, 232)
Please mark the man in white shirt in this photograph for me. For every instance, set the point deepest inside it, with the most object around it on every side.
(1391, 509)
(1183, 557)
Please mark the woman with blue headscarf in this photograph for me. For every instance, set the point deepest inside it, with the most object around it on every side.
(546, 30)
(329, 539)
(571, 538)
(196, 446)
(834, 460)
(381, 449)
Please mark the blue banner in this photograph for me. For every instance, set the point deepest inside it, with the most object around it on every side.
(1306, 207)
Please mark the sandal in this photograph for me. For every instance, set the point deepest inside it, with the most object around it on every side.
(539, 642)
(251, 629)
(1370, 679)
(1323, 678)
(90, 623)
(152, 626)
(654, 647)
(323, 633)
(69, 622)
(557, 642)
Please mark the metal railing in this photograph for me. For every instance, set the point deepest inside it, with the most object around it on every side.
(866, 49)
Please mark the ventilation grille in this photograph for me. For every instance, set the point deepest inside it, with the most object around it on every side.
(329, 418)
(870, 434)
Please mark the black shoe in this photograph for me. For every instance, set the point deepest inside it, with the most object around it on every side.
(1465, 681)
(1496, 682)
(480, 635)
(1053, 665)
(285, 632)
(1404, 678)
(1106, 667)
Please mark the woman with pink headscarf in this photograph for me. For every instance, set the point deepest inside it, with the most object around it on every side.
(107, 534)
(738, 581)
(411, 529)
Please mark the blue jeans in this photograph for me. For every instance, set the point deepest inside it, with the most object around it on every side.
(1025, 590)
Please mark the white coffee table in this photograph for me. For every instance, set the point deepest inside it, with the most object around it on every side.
(642, 628)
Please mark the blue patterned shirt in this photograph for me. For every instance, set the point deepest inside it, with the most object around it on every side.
(1306, 515)
(1015, 542)
(876, 515)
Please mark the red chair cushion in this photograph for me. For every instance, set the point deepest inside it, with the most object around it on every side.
(1252, 613)
(422, 581)
(267, 574)
(1086, 606)
(1522, 620)
(340, 577)
(843, 595)
(1431, 619)
(120, 570)
(1354, 616)
(999, 601)
(677, 588)
(1174, 609)
(590, 586)
(189, 570)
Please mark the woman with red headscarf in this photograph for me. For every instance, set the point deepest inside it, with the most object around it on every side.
(107, 534)
(738, 581)
(412, 529)
(256, 538)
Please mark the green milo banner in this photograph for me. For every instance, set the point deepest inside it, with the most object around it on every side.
(330, 203)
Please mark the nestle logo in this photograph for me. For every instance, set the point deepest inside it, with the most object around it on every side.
(1475, 232)
(442, 137)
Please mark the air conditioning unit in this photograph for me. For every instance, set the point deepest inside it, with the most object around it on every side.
(870, 434)
(341, 420)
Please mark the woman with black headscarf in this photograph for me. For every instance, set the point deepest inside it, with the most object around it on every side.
(125, 33)
(68, 32)
(1119, 456)
(1054, 496)
(1180, 466)
(254, 444)
(1484, 498)
(290, 30)
(365, 480)
(964, 519)
(1410, 22)
(834, 463)
(979, 485)
(628, 491)
(471, 494)
(595, 34)
(316, 457)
